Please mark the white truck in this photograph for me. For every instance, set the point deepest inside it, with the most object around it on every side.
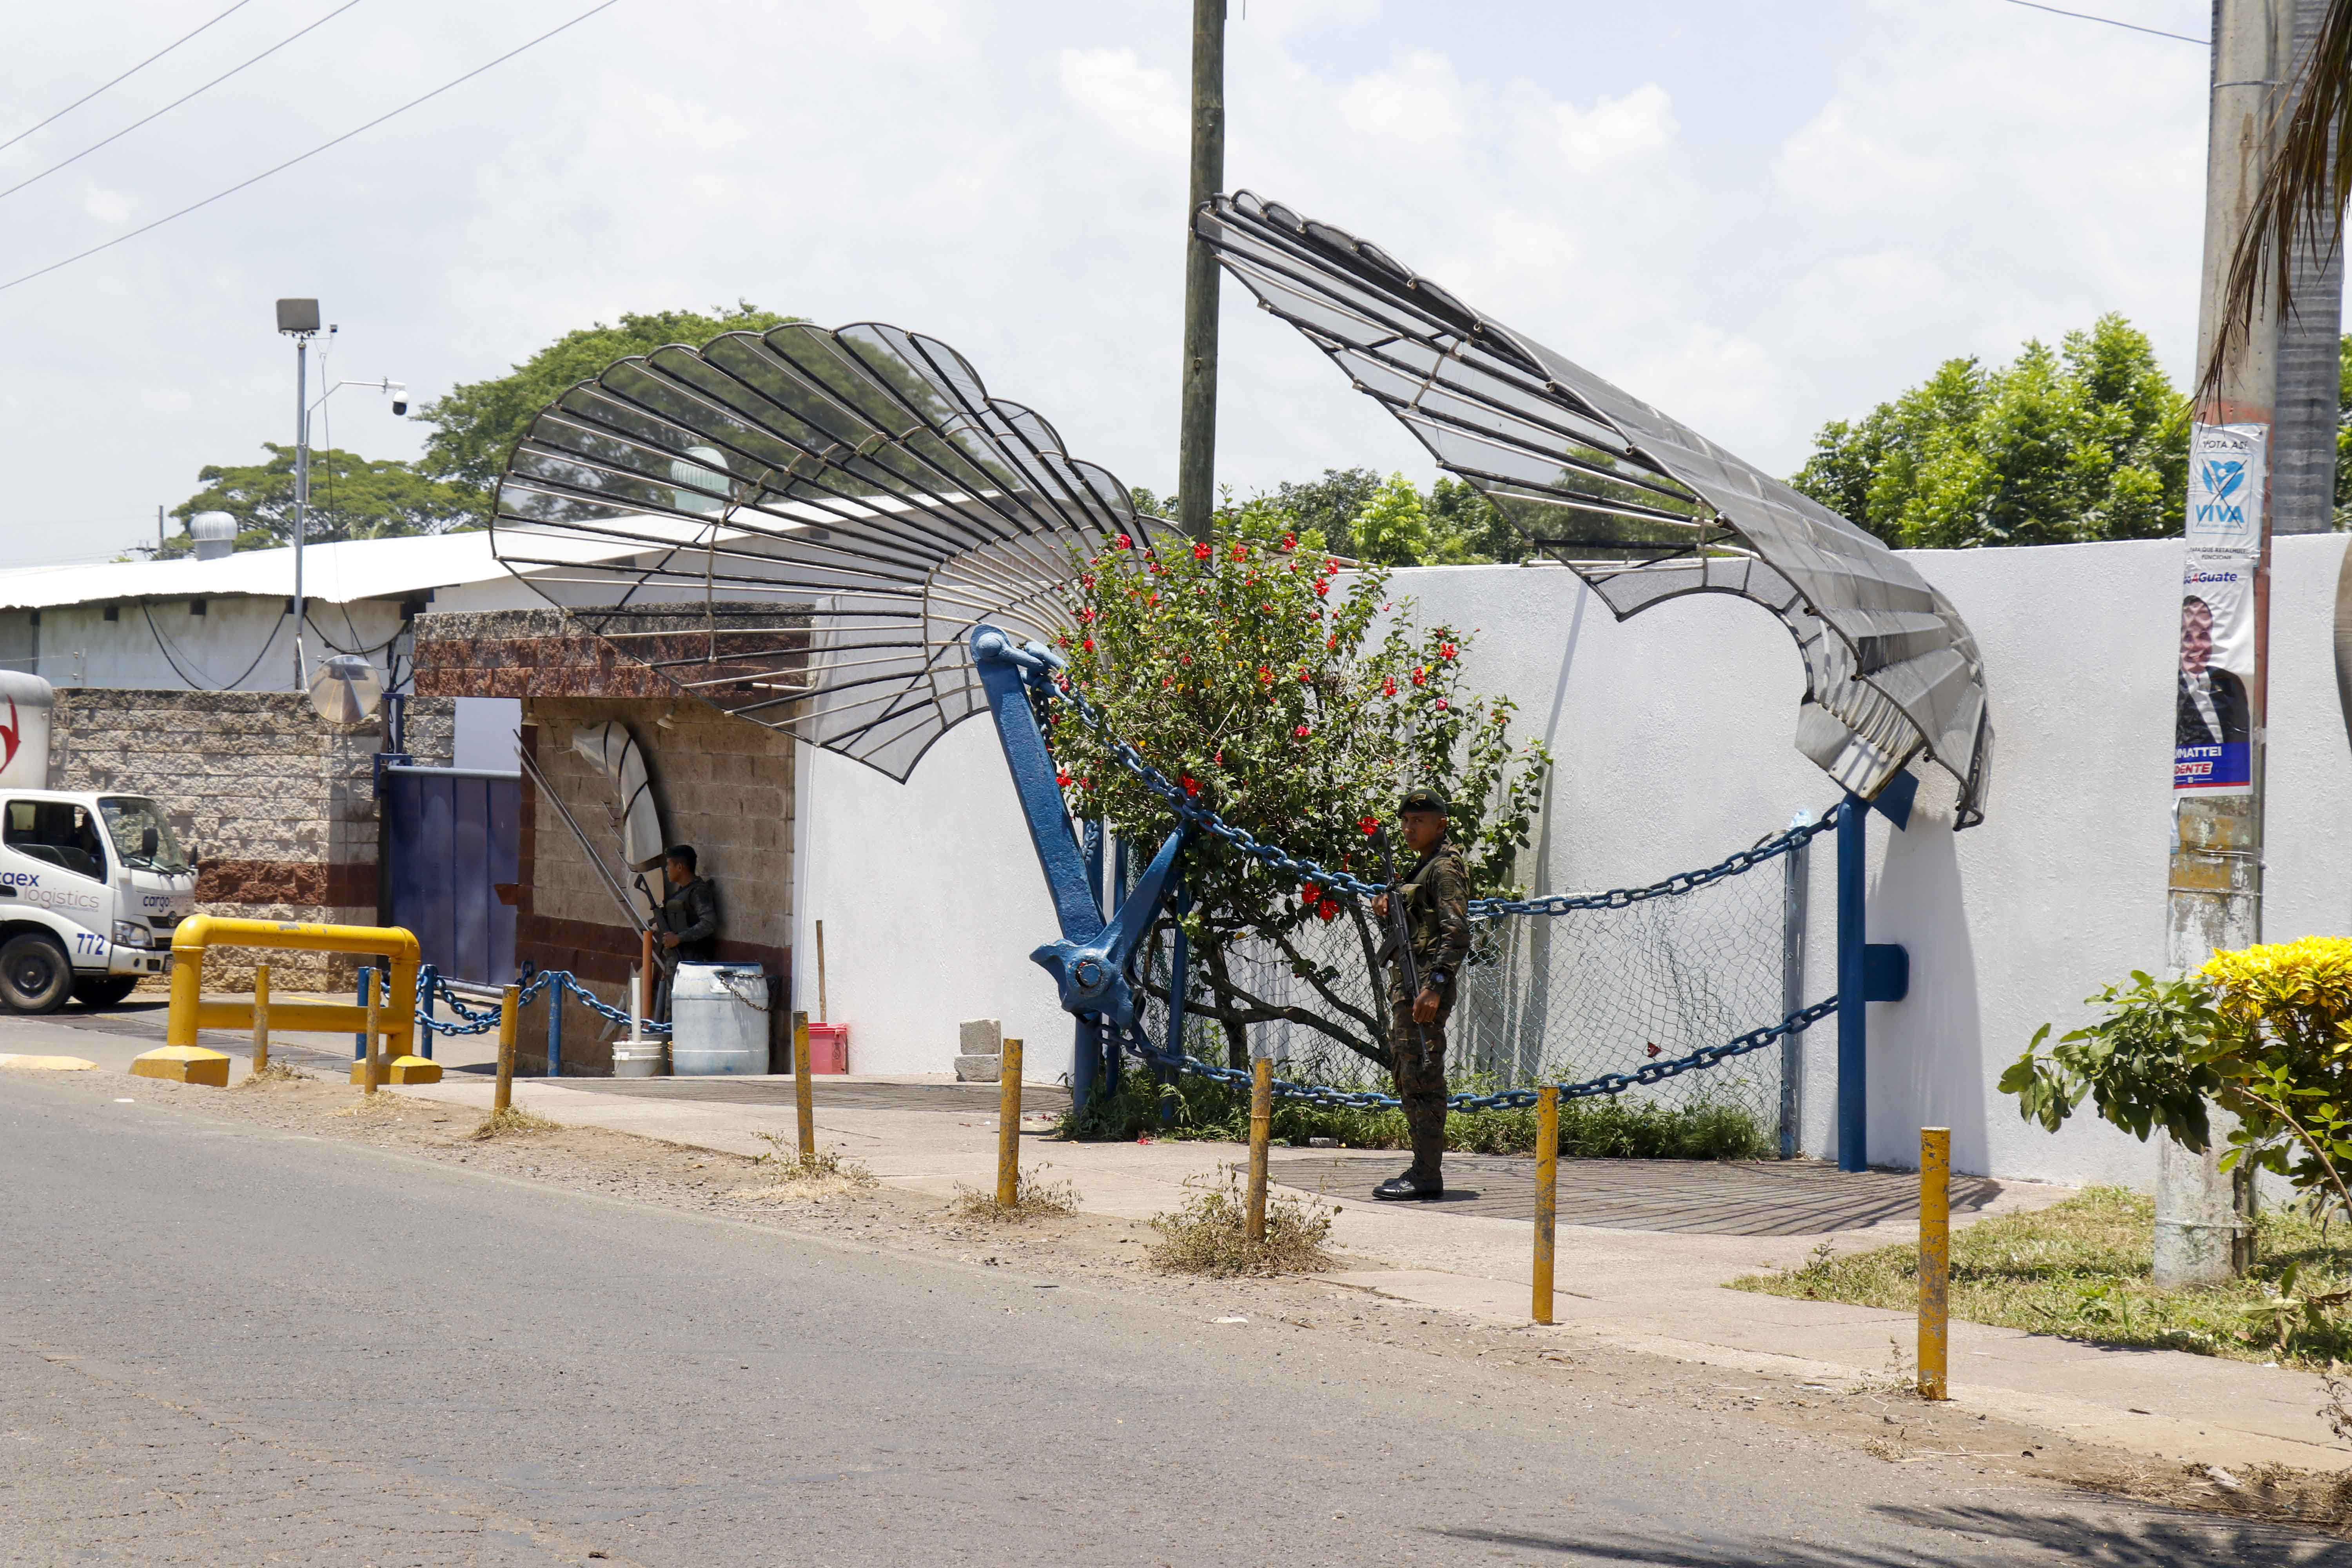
(92, 884)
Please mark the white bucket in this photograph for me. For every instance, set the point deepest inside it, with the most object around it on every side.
(637, 1059)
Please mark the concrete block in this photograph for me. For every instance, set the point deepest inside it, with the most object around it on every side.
(978, 1069)
(183, 1064)
(400, 1069)
(980, 1037)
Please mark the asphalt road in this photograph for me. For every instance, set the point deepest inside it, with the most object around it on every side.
(225, 1344)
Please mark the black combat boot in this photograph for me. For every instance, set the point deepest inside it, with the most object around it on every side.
(1411, 1186)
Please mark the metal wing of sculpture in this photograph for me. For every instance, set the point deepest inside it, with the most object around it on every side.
(1640, 507)
(820, 517)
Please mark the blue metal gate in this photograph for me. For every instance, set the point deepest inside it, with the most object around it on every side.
(453, 845)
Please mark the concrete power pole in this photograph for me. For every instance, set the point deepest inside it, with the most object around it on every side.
(1196, 458)
(2251, 467)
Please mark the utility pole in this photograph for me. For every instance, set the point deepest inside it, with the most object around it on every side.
(2204, 1230)
(1196, 457)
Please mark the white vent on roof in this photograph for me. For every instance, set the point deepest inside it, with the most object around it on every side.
(215, 533)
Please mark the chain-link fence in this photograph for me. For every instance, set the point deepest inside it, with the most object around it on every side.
(1545, 998)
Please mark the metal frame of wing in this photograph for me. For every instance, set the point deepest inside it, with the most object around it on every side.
(802, 526)
(1640, 507)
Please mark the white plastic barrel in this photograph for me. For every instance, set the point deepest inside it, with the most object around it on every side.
(719, 1019)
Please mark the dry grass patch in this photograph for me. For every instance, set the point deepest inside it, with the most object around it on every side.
(1033, 1198)
(794, 1176)
(274, 1074)
(513, 1121)
(1210, 1235)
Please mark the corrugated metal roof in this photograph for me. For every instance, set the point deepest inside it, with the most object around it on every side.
(334, 574)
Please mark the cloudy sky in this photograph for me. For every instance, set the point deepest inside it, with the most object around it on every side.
(1759, 215)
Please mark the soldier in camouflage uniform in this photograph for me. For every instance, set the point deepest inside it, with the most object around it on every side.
(1436, 894)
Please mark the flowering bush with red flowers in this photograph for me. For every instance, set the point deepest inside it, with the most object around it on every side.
(1293, 699)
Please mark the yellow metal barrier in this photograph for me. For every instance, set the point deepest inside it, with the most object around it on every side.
(393, 1027)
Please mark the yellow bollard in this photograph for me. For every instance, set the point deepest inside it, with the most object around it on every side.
(1008, 1128)
(1546, 1194)
(802, 1092)
(509, 1005)
(375, 1064)
(1935, 1259)
(1261, 1128)
(260, 1019)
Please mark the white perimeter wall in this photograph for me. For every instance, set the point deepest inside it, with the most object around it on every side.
(1672, 732)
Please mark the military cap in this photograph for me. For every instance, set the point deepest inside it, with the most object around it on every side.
(1422, 798)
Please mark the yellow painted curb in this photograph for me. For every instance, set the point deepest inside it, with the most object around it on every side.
(400, 1069)
(183, 1064)
(45, 1064)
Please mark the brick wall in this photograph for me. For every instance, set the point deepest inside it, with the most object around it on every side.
(279, 805)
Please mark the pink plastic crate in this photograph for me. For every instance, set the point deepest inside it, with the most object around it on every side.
(828, 1047)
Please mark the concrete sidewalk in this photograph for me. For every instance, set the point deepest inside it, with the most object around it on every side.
(1658, 1292)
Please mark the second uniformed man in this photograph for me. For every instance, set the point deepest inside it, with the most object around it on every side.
(1436, 894)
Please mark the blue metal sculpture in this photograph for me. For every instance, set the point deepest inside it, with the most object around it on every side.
(1090, 960)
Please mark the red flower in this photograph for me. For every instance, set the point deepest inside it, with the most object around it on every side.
(1166, 681)
(1302, 732)
(1085, 615)
(1088, 645)
(1652, 1051)
(1371, 825)
(1420, 674)
(1290, 542)
(1192, 786)
(1331, 643)
(1265, 675)
(1330, 568)
(1188, 658)
(1446, 650)
(1241, 552)
(1388, 687)
(1063, 779)
(1308, 893)
(1441, 705)
(1328, 910)
(1323, 589)
(1086, 581)
(1201, 552)
(1125, 542)
(1303, 676)
(1219, 760)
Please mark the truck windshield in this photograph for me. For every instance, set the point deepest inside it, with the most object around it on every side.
(141, 837)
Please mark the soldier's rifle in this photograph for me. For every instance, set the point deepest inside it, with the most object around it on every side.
(1400, 941)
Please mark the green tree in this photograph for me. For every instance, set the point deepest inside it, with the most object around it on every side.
(1283, 697)
(2088, 442)
(1467, 528)
(1393, 528)
(352, 496)
(1327, 508)
(477, 425)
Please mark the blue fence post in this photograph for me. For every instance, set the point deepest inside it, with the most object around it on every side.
(1179, 978)
(360, 996)
(555, 983)
(1852, 1038)
(1087, 1042)
(425, 1045)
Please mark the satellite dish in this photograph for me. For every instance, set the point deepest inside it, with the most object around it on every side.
(346, 690)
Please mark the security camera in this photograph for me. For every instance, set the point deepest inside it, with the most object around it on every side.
(399, 391)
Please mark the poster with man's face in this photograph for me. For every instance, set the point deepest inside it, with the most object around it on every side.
(2212, 722)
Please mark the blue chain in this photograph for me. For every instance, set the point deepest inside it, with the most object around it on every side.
(1208, 821)
(480, 1021)
(1505, 1099)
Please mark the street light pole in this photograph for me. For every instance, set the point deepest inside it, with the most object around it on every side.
(298, 320)
(1196, 456)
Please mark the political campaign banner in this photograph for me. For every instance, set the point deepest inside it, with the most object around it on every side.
(2212, 742)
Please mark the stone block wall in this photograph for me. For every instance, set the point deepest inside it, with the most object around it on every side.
(278, 804)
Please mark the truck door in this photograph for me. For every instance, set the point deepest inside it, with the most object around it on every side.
(52, 858)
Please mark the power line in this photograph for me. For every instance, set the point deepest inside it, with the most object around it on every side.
(323, 146)
(176, 103)
(142, 66)
(2110, 21)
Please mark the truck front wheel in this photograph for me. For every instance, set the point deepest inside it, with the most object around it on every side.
(35, 975)
(104, 993)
